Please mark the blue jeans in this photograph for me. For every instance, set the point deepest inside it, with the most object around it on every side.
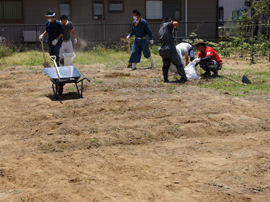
(191, 54)
(139, 45)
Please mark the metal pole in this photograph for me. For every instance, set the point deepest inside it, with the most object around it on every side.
(84, 35)
(36, 33)
(186, 19)
(104, 30)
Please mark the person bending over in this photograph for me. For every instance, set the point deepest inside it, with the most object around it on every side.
(187, 51)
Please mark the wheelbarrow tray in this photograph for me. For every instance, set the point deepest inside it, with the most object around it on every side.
(68, 74)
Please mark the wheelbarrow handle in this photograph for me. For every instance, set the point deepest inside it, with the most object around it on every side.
(83, 79)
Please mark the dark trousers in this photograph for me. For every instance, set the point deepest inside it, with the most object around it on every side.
(210, 65)
(55, 50)
(165, 69)
(139, 46)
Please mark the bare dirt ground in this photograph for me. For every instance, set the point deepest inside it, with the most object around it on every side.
(131, 138)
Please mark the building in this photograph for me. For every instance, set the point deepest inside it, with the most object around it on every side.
(232, 9)
(106, 20)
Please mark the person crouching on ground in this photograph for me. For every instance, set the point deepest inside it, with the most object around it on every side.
(56, 31)
(208, 59)
(168, 50)
(140, 29)
(187, 51)
(67, 44)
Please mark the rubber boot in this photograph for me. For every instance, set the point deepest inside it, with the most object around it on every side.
(165, 74)
(152, 62)
(182, 73)
(133, 66)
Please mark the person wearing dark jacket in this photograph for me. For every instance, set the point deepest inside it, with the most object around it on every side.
(56, 31)
(140, 29)
(168, 50)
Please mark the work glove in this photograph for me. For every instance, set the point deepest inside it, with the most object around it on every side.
(152, 41)
(41, 37)
(128, 37)
(75, 40)
(54, 42)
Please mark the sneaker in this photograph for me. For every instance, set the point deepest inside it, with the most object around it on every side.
(134, 68)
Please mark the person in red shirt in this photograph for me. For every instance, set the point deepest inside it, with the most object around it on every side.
(208, 59)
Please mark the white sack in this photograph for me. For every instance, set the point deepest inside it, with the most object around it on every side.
(190, 69)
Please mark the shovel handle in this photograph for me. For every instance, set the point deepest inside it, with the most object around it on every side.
(53, 57)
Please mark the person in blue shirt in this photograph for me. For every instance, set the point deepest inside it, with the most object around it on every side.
(56, 31)
(140, 29)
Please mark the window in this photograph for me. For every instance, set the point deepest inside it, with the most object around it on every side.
(238, 13)
(154, 10)
(116, 6)
(65, 8)
(98, 10)
(11, 11)
(157, 9)
(221, 14)
(172, 9)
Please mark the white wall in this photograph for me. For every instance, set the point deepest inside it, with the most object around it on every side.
(229, 5)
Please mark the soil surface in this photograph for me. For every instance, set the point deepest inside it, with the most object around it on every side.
(130, 138)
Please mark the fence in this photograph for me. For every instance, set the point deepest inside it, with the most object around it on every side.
(104, 32)
(109, 32)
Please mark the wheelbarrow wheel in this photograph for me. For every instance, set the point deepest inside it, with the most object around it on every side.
(60, 89)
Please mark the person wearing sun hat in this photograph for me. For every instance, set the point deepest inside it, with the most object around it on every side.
(55, 30)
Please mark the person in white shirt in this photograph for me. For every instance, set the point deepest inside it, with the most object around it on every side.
(187, 51)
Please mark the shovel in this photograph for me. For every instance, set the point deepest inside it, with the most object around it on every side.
(244, 80)
(53, 58)
(60, 86)
(45, 64)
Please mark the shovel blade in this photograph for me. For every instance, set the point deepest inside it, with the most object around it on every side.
(46, 64)
(246, 80)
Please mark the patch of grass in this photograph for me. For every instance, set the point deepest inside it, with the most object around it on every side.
(28, 58)
(99, 55)
(258, 86)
